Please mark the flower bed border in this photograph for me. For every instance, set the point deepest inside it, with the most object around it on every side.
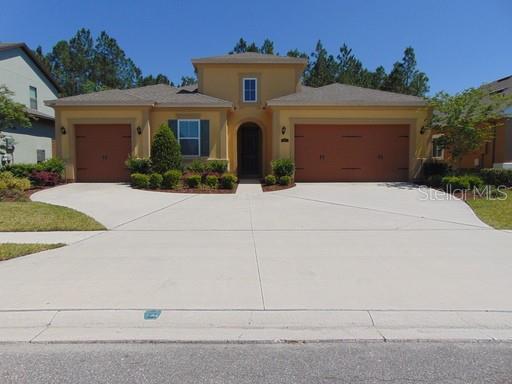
(276, 187)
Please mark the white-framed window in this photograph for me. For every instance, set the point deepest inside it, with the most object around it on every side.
(33, 97)
(437, 149)
(250, 89)
(189, 136)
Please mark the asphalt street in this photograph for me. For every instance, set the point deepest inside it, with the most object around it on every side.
(375, 362)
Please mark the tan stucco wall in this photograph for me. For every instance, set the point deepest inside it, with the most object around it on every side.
(218, 126)
(225, 81)
(69, 117)
(224, 128)
(419, 143)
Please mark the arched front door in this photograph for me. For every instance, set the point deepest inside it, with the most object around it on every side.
(249, 150)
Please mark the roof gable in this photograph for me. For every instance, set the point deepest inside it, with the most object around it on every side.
(35, 60)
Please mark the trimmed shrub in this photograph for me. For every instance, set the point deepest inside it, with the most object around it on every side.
(282, 167)
(155, 180)
(212, 181)
(197, 166)
(20, 170)
(474, 181)
(171, 179)
(9, 181)
(270, 180)
(138, 164)
(285, 180)
(217, 166)
(497, 176)
(435, 167)
(54, 165)
(139, 180)
(193, 181)
(165, 151)
(451, 183)
(25, 170)
(228, 181)
(434, 181)
(45, 178)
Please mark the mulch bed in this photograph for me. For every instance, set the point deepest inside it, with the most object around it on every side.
(276, 187)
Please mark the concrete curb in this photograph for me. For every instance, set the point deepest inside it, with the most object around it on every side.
(96, 326)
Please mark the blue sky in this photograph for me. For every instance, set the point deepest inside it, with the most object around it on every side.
(458, 43)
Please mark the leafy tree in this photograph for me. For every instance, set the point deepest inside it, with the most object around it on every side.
(240, 46)
(188, 80)
(165, 151)
(466, 120)
(377, 78)
(322, 69)
(296, 53)
(12, 114)
(252, 47)
(406, 78)
(267, 47)
(150, 80)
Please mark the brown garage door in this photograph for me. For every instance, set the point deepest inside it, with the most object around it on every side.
(351, 152)
(101, 151)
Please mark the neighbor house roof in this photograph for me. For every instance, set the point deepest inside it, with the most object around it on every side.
(38, 114)
(345, 95)
(503, 85)
(37, 62)
(159, 95)
(250, 58)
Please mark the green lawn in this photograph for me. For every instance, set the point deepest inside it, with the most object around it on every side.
(33, 216)
(496, 213)
(11, 250)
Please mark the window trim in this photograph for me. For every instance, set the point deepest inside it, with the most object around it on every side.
(191, 138)
(30, 88)
(255, 89)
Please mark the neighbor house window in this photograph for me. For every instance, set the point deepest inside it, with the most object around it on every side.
(250, 89)
(189, 137)
(41, 155)
(33, 97)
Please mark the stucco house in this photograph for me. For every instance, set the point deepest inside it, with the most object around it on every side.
(248, 108)
(22, 73)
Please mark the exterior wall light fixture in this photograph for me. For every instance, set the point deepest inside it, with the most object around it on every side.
(63, 130)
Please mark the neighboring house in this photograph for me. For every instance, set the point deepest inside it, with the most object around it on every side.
(22, 73)
(496, 153)
(248, 109)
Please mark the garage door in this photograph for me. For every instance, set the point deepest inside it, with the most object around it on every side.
(101, 151)
(351, 152)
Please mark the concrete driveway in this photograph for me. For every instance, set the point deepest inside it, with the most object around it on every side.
(314, 247)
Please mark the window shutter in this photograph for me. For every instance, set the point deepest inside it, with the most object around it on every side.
(173, 124)
(205, 138)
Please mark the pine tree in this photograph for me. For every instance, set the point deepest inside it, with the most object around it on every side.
(322, 69)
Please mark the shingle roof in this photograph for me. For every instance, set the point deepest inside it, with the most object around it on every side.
(28, 51)
(250, 58)
(345, 95)
(162, 95)
(39, 114)
(503, 86)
